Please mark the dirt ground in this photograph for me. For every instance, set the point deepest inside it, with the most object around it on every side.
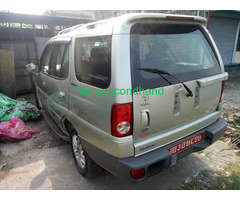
(231, 112)
(45, 161)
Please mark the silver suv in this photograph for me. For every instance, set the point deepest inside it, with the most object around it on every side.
(132, 94)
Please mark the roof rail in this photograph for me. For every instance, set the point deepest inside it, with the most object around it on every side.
(69, 29)
(94, 25)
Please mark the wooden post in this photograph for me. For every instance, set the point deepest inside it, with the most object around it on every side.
(7, 73)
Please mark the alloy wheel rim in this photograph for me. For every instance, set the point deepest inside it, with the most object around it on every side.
(78, 152)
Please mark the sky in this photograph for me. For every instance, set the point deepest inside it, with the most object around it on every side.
(38, 7)
(28, 11)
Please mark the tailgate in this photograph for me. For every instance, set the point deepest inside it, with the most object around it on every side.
(163, 113)
(162, 119)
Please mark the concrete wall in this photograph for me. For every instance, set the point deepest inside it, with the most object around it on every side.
(224, 32)
(237, 57)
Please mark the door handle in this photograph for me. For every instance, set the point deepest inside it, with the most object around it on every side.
(145, 119)
(62, 94)
(44, 84)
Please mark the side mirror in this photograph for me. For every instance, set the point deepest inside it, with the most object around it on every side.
(32, 68)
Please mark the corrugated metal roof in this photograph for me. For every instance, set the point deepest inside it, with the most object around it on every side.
(42, 19)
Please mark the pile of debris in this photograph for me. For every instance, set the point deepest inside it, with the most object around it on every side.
(13, 114)
(21, 109)
(232, 133)
(231, 113)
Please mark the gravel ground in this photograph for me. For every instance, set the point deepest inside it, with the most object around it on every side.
(231, 112)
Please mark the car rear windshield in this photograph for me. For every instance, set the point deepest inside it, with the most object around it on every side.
(183, 51)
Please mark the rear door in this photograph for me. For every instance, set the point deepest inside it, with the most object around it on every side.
(163, 112)
(42, 80)
(59, 81)
(53, 79)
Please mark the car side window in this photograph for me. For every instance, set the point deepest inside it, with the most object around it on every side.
(45, 59)
(65, 63)
(60, 61)
(93, 60)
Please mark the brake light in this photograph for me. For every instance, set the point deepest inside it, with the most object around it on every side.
(121, 120)
(180, 18)
(222, 90)
(138, 174)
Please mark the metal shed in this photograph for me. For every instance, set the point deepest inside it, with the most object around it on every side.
(224, 27)
(26, 35)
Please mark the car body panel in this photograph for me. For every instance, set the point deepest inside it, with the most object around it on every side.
(158, 120)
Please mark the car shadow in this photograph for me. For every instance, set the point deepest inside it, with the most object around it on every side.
(53, 167)
(61, 171)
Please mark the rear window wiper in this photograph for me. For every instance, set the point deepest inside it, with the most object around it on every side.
(161, 72)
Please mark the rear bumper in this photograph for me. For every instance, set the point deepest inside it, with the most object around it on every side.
(157, 160)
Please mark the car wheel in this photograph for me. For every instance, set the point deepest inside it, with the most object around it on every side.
(85, 165)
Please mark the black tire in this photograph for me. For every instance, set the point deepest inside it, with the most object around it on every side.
(37, 102)
(90, 169)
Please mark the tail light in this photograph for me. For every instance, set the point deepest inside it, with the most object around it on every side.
(138, 174)
(223, 87)
(121, 120)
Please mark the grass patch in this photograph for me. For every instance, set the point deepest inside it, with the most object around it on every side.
(228, 179)
(237, 121)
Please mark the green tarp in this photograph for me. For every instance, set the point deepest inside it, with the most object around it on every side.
(21, 109)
